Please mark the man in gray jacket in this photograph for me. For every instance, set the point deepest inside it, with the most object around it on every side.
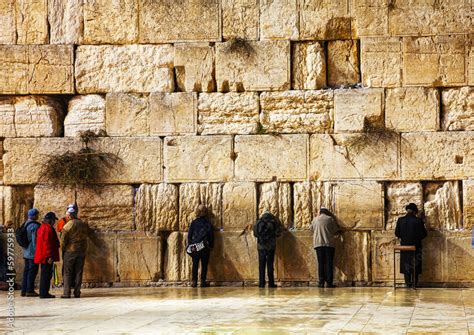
(325, 227)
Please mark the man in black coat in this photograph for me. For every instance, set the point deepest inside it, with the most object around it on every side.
(411, 231)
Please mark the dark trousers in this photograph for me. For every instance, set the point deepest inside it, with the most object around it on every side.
(325, 264)
(45, 279)
(73, 263)
(203, 257)
(409, 278)
(265, 260)
(29, 275)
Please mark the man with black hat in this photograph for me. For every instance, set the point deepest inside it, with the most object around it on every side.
(411, 231)
(47, 252)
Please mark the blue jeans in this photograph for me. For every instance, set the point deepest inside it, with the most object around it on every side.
(29, 276)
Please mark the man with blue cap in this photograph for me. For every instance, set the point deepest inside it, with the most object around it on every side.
(31, 269)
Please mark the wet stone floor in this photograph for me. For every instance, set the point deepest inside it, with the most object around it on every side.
(226, 310)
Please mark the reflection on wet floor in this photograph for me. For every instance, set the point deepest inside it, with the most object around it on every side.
(231, 310)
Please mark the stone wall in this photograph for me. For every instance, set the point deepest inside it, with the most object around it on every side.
(358, 106)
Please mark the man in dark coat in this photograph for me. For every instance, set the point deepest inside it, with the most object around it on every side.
(266, 230)
(411, 231)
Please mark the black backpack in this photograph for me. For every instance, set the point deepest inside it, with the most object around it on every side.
(21, 234)
(265, 230)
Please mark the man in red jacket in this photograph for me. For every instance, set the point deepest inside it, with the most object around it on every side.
(47, 252)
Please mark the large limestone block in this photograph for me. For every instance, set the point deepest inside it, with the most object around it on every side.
(228, 113)
(112, 22)
(430, 17)
(459, 257)
(253, 65)
(355, 109)
(468, 203)
(128, 68)
(177, 266)
(400, 194)
(412, 109)
(240, 19)
(30, 116)
(85, 113)
(434, 61)
(370, 17)
(239, 205)
(36, 69)
(104, 208)
(194, 64)
(443, 209)
(343, 63)
(295, 257)
(127, 114)
(276, 198)
(381, 62)
(439, 155)
(297, 111)
(458, 108)
(359, 205)
(234, 257)
(324, 20)
(267, 157)
(31, 21)
(470, 69)
(66, 21)
(353, 246)
(198, 158)
(7, 17)
(140, 158)
(157, 208)
(191, 195)
(171, 21)
(308, 198)
(308, 66)
(368, 156)
(139, 258)
(279, 19)
(16, 203)
(100, 266)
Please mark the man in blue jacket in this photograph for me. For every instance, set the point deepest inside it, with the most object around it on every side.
(31, 269)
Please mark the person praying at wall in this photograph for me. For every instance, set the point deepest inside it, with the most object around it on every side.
(411, 231)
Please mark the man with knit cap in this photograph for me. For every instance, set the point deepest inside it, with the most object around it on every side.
(31, 269)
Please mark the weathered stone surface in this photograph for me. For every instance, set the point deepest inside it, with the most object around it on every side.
(16, 203)
(7, 17)
(308, 198)
(240, 19)
(279, 19)
(308, 66)
(459, 257)
(449, 155)
(206, 158)
(359, 205)
(114, 22)
(157, 208)
(355, 109)
(31, 21)
(325, 20)
(30, 116)
(370, 17)
(36, 69)
(434, 61)
(239, 205)
(177, 262)
(127, 114)
(234, 257)
(139, 158)
(295, 257)
(458, 108)
(85, 113)
(128, 68)
(381, 62)
(139, 258)
(66, 21)
(430, 17)
(400, 194)
(443, 210)
(192, 195)
(228, 113)
(297, 111)
(470, 59)
(260, 158)
(253, 65)
(368, 156)
(108, 208)
(468, 203)
(100, 266)
(276, 198)
(171, 21)
(353, 245)
(194, 64)
(343, 63)
(412, 109)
